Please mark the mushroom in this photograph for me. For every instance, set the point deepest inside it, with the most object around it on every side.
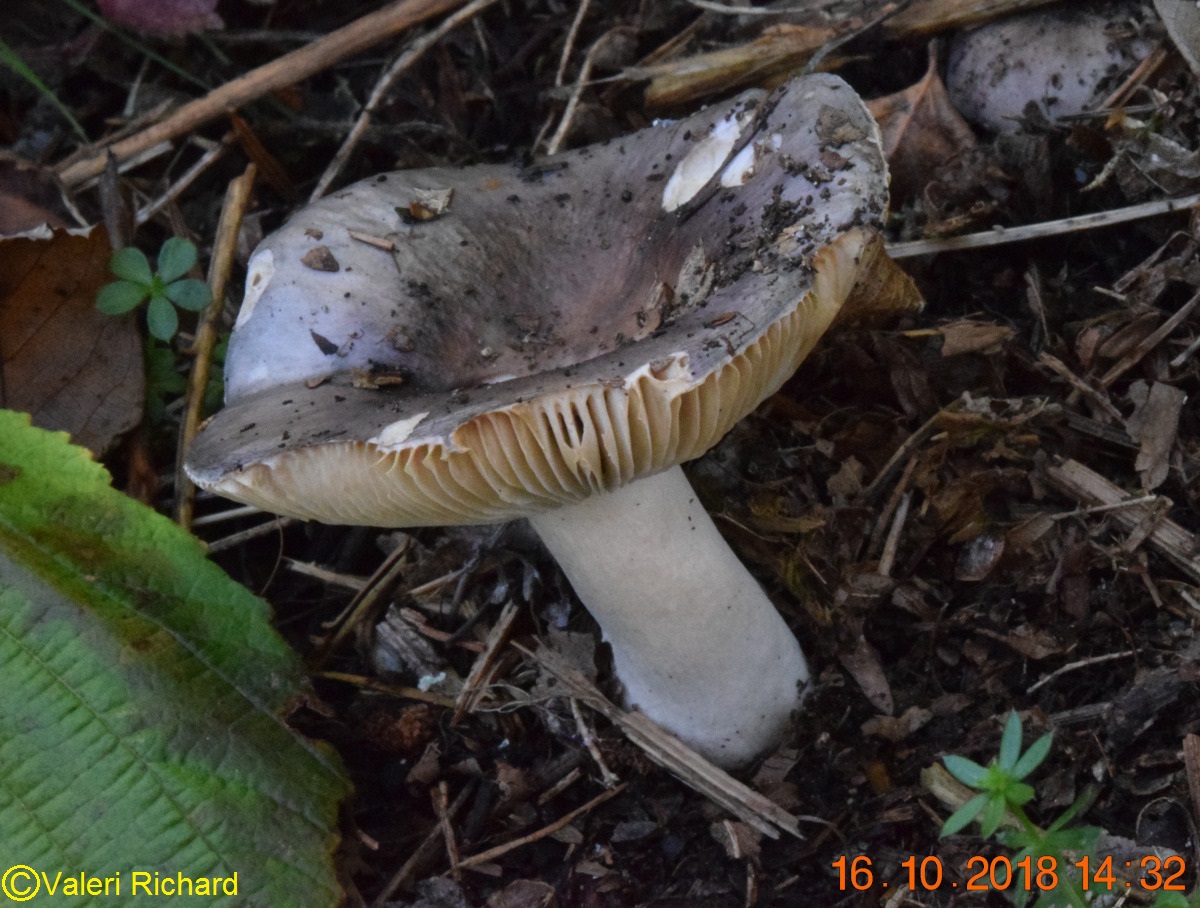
(1063, 60)
(477, 344)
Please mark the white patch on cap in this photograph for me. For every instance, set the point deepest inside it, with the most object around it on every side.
(398, 432)
(744, 164)
(704, 160)
(261, 268)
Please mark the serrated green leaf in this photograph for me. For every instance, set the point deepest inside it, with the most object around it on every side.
(161, 318)
(120, 296)
(189, 294)
(131, 264)
(175, 258)
(143, 700)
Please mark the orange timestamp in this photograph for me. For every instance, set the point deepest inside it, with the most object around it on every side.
(1044, 872)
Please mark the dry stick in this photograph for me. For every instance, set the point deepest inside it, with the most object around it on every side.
(581, 82)
(210, 157)
(235, 539)
(1002, 235)
(888, 558)
(607, 776)
(1134, 356)
(441, 798)
(1097, 397)
(1075, 666)
(569, 44)
(485, 663)
(237, 196)
(485, 856)
(384, 83)
(363, 602)
(1174, 542)
(422, 854)
(301, 63)
(669, 752)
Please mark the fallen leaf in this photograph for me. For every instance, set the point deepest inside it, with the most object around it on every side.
(1154, 425)
(922, 131)
(28, 197)
(974, 337)
(1182, 20)
(72, 367)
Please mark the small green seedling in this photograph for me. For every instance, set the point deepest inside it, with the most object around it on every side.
(1052, 858)
(165, 289)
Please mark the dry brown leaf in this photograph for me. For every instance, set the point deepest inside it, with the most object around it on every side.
(922, 131)
(967, 336)
(28, 198)
(72, 367)
(1154, 425)
(864, 665)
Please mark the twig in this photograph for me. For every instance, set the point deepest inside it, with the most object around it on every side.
(607, 776)
(226, 515)
(1075, 666)
(888, 558)
(1171, 540)
(392, 690)
(292, 67)
(383, 84)
(485, 663)
(569, 44)
(581, 82)
(423, 853)
(672, 754)
(236, 539)
(1002, 235)
(237, 196)
(565, 820)
(1099, 398)
(1148, 343)
(441, 798)
(212, 154)
(363, 602)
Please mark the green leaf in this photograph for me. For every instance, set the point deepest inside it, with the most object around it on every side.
(1018, 793)
(993, 816)
(163, 380)
(1032, 758)
(131, 264)
(161, 318)
(964, 815)
(120, 296)
(144, 699)
(966, 771)
(176, 258)
(189, 294)
(1010, 742)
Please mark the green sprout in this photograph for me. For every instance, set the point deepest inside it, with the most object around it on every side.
(1003, 794)
(999, 783)
(165, 289)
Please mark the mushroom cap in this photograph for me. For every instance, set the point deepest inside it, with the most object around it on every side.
(467, 345)
(1063, 59)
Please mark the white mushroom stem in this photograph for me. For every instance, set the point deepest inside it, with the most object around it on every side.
(696, 642)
